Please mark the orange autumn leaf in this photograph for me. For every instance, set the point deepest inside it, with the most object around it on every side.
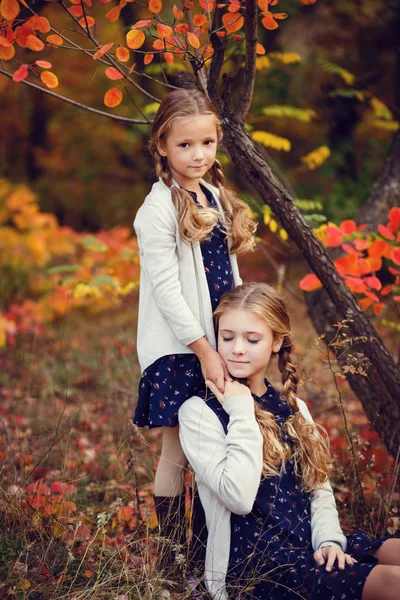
(135, 39)
(125, 514)
(43, 64)
(88, 22)
(113, 14)
(310, 282)
(20, 74)
(269, 23)
(168, 57)
(148, 57)
(54, 40)
(113, 74)
(385, 232)
(158, 45)
(394, 218)
(234, 7)
(76, 10)
(348, 264)
(7, 52)
(49, 79)
(199, 20)
(373, 282)
(102, 50)
(9, 9)
(182, 28)
(279, 16)
(365, 303)
(34, 43)
(260, 48)
(4, 41)
(348, 227)
(307, 2)
(122, 54)
(232, 22)
(163, 31)
(377, 248)
(155, 6)
(263, 5)
(396, 256)
(378, 307)
(113, 97)
(178, 14)
(131, 68)
(193, 40)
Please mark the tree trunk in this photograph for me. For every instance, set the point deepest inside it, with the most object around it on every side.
(385, 379)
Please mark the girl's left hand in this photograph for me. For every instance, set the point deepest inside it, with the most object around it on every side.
(329, 554)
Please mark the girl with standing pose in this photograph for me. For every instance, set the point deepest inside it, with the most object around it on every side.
(189, 232)
(261, 467)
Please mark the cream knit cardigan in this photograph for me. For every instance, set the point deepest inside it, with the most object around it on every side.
(174, 301)
(228, 472)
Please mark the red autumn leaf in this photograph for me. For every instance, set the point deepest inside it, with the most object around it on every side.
(393, 271)
(182, 28)
(387, 289)
(4, 41)
(155, 6)
(385, 232)
(38, 487)
(148, 57)
(373, 282)
(193, 40)
(54, 40)
(49, 79)
(113, 74)
(113, 97)
(168, 57)
(102, 50)
(158, 45)
(113, 14)
(309, 283)
(20, 74)
(396, 256)
(307, 2)
(348, 248)
(163, 31)
(37, 501)
(207, 5)
(9, 9)
(125, 514)
(60, 487)
(76, 10)
(394, 218)
(135, 39)
(348, 227)
(365, 303)
(378, 308)
(199, 20)
(356, 284)
(178, 14)
(349, 263)
(361, 244)
(43, 64)
(122, 54)
(237, 37)
(142, 23)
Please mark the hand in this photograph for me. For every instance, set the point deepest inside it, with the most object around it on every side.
(232, 388)
(214, 369)
(329, 554)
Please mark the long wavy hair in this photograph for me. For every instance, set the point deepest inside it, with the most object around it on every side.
(196, 223)
(310, 441)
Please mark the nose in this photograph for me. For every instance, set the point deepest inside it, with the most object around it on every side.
(238, 347)
(198, 153)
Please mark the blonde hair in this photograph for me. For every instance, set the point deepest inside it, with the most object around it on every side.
(196, 223)
(310, 441)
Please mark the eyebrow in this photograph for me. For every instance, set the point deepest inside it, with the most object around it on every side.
(206, 137)
(248, 332)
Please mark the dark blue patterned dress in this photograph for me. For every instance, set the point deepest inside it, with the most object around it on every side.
(271, 554)
(170, 380)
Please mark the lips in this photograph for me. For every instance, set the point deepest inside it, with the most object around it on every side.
(239, 362)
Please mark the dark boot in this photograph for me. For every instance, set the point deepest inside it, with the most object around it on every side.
(197, 553)
(172, 528)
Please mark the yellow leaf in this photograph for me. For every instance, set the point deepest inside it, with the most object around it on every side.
(135, 39)
(316, 158)
(24, 584)
(271, 140)
(49, 79)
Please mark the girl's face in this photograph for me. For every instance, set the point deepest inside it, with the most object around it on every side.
(246, 343)
(190, 148)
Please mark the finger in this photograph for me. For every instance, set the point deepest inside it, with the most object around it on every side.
(319, 559)
(341, 559)
(215, 390)
(349, 559)
(331, 559)
(220, 383)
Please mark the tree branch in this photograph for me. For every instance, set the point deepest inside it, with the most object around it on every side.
(246, 94)
(78, 104)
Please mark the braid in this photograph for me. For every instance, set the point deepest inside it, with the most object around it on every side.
(161, 166)
(289, 376)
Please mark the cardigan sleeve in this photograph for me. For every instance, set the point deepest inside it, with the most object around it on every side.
(325, 525)
(156, 234)
(229, 465)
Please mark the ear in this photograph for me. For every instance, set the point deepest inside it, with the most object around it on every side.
(161, 149)
(276, 346)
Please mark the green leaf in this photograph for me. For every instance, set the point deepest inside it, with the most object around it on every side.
(93, 243)
(63, 269)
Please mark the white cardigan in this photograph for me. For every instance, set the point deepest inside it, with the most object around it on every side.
(228, 472)
(174, 301)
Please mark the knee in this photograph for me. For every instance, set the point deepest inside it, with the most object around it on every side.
(382, 583)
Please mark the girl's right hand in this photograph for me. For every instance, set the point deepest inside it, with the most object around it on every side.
(232, 388)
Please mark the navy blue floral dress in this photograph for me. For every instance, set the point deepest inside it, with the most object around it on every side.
(170, 380)
(271, 554)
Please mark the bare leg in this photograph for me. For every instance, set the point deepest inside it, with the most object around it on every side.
(388, 553)
(171, 468)
(383, 583)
